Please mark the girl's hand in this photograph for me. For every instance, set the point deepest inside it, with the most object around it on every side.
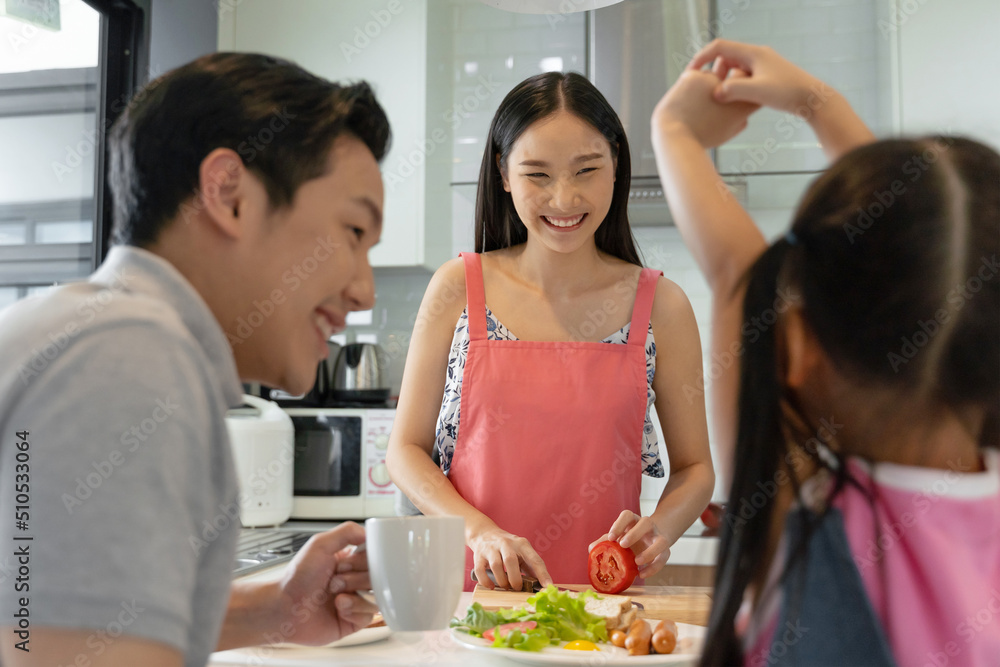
(763, 78)
(640, 534)
(506, 555)
(690, 105)
(749, 74)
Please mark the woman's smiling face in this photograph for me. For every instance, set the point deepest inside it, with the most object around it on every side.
(561, 177)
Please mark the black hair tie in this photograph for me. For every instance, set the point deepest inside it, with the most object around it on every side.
(791, 238)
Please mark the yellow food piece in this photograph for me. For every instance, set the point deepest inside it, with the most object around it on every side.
(581, 645)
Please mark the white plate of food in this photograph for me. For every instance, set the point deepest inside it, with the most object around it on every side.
(687, 652)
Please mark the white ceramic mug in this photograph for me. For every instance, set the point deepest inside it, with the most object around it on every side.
(417, 567)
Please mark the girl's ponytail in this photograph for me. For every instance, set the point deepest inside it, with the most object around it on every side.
(759, 451)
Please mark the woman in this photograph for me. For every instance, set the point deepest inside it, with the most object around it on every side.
(545, 425)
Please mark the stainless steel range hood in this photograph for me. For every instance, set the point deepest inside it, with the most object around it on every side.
(637, 49)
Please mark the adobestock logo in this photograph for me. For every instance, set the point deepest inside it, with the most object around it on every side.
(87, 310)
(592, 490)
(294, 277)
(135, 437)
(882, 200)
(363, 35)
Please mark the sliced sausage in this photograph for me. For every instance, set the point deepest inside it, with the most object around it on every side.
(665, 637)
(639, 636)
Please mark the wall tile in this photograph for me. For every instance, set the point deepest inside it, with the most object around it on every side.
(849, 18)
(839, 47)
(748, 25)
(801, 21)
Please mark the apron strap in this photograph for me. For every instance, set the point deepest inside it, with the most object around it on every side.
(643, 306)
(475, 295)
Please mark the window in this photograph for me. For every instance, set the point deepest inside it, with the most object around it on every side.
(61, 64)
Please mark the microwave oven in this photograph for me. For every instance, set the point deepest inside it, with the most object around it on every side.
(339, 463)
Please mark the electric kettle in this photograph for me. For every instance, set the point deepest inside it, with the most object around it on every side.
(360, 374)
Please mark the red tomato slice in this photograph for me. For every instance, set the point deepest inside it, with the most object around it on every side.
(505, 629)
(611, 567)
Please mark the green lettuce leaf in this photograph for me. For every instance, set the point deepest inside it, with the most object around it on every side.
(525, 640)
(477, 620)
(560, 617)
(565, 615)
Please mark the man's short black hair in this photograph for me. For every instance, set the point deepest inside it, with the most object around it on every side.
(278, 117)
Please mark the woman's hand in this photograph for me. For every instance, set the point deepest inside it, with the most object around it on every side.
(690, 106)
(506, 555)
(640, 534)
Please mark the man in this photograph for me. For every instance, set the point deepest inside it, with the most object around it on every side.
(247, 195)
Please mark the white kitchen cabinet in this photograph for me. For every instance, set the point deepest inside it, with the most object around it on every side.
(395, 45)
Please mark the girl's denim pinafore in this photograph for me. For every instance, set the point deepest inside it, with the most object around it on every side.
(826, 617)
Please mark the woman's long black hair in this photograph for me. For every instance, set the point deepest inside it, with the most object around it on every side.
(535, 98)
(879, 250)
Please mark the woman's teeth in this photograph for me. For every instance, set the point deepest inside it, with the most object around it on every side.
(563, 222)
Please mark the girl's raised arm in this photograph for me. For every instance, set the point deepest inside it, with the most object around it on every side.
(706, 109)
(723, 239)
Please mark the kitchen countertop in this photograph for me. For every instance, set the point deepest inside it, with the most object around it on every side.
(413, 648)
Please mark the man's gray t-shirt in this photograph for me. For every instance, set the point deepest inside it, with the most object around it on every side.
(121, 384)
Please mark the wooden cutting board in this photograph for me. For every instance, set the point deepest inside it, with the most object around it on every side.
(682, 604)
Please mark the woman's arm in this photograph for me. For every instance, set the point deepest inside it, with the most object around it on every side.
(681, 410)
(412, 440)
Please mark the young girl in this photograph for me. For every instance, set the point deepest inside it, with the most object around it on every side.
(863, 524)
(549, 347)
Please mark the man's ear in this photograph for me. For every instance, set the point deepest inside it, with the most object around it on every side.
(503, 174)
(221, 190)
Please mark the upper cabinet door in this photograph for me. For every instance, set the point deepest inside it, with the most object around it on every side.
(383, 42)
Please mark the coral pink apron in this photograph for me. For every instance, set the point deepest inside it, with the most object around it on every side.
(550, 434)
